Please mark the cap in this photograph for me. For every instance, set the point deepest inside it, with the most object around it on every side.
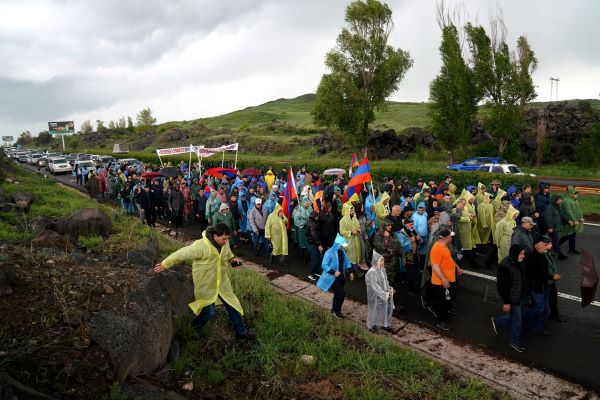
(257, 201)
(527, 219)
(543, 239)
(444, 233)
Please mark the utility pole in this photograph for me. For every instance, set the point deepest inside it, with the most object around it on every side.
(553, 86)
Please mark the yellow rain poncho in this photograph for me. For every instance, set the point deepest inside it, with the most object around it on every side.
(469, 238)
(419, 196)
(504, 232)
(354, 198)
(452, 191)
(276, 232)
(498, 199)
(382, 209)
(485, 218)
(479, 197)
(347, 225)
(209, 273)
(269, 179)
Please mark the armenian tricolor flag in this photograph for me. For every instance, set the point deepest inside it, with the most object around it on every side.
(289, 195)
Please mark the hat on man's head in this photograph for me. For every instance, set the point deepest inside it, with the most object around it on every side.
(257, 201)
(444, 233)
(527, 219)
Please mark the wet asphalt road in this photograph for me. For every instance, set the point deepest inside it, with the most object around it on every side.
(571, 351)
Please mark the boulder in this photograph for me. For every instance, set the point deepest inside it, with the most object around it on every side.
(138, 340)
(12, 207)
(5, 288)
(39, 224)
(50, 239)
(89, 221)
(23, 199)
(145, 256)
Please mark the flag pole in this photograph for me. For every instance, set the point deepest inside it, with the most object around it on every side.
(235, 164)
(190, 164)
(372, 191)
(223, 160)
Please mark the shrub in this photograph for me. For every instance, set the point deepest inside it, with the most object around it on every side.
(585, 155)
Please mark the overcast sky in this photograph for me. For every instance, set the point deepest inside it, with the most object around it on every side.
(80, 59)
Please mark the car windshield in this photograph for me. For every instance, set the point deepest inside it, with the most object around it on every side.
(59, 161)
(473, 162)
(514, 169)
(502, 161)
(106, 159)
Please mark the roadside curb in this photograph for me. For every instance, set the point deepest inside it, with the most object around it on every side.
(515, 379)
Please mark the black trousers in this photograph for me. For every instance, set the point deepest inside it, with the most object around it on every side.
(150, 214)
(442, 304)
(339, 294)
(553, 300)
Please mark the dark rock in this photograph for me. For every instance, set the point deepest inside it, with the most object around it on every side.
(5, 288)
(138, 391)
(146, 256)
(12, 207)
(50, 239)
(174, 352)
(138, 340)
(89, 221)
(10, 386)
(39, 224)
(22, 199)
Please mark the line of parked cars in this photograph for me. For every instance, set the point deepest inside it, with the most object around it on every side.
(496, 165)
(57, 163)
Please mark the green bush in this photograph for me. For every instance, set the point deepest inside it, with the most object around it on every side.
(585, 155)
(92, 241)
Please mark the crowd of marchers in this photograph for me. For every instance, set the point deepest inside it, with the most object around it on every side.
(402, 238)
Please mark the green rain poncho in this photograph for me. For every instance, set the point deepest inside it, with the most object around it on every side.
(276, 232)
(419, 196)
(226, 219)
(210, 273)
(347, 225)
(301, 215)
(485, 218)
(504, 232)
(570, 211)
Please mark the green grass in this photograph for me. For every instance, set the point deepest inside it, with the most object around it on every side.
(57, 201)
(366, 366)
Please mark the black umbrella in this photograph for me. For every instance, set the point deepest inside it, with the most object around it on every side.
(170, 172)
(589, 278)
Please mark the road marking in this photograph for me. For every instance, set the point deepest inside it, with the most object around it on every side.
(589, 223)
(560, 294)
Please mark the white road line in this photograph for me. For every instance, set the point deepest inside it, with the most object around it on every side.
(560, 294)
(590, 224)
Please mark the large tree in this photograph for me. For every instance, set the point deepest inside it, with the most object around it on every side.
(365, 70)
(453, 94)
(145, 119)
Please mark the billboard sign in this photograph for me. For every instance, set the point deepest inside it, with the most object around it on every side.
(7, 138)
(61, 128)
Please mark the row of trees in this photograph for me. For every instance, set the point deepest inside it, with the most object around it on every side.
(479, 71)
(144, 120)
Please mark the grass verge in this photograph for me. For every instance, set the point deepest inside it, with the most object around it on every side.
(349, 362)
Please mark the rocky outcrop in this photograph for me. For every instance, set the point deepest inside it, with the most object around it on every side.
(388, 144)
(50, 239)
(138, 339)
(145, 256)
(88, 221)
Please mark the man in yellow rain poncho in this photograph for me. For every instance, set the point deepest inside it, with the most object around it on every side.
(467, 228)
(276, 233)
(350, 230)
(485, 217)
(211, 258)
(382, 208)
(504, 232)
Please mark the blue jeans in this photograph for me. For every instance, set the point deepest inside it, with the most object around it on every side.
(209, 311)
(258, 241)
(540, 309)
(515, 320)
(315, 258)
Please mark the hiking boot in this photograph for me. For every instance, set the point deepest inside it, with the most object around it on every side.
(443, 326)
(312, 278)
(517, 348)
(387, 329)
(373, 329)
(337, 314)
(494, 327)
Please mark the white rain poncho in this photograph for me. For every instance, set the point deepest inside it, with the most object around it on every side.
(380, 301)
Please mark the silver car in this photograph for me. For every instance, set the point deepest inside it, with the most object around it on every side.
(57, 165)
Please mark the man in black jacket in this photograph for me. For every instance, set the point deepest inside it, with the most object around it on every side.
(313, 245)
(512, 288)
(328, 225)
(551, 224)
(147, 204)
(540, 268)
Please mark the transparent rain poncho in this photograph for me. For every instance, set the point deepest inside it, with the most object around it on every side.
(380, 300)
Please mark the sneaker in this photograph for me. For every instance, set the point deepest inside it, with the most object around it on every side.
(312, 278)
(431, 311)
(517, 348)
(452, 312)
(373, 329)
(387, 329)
(494, 327)
(250, 337)
(338, 315)
(443, 326)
